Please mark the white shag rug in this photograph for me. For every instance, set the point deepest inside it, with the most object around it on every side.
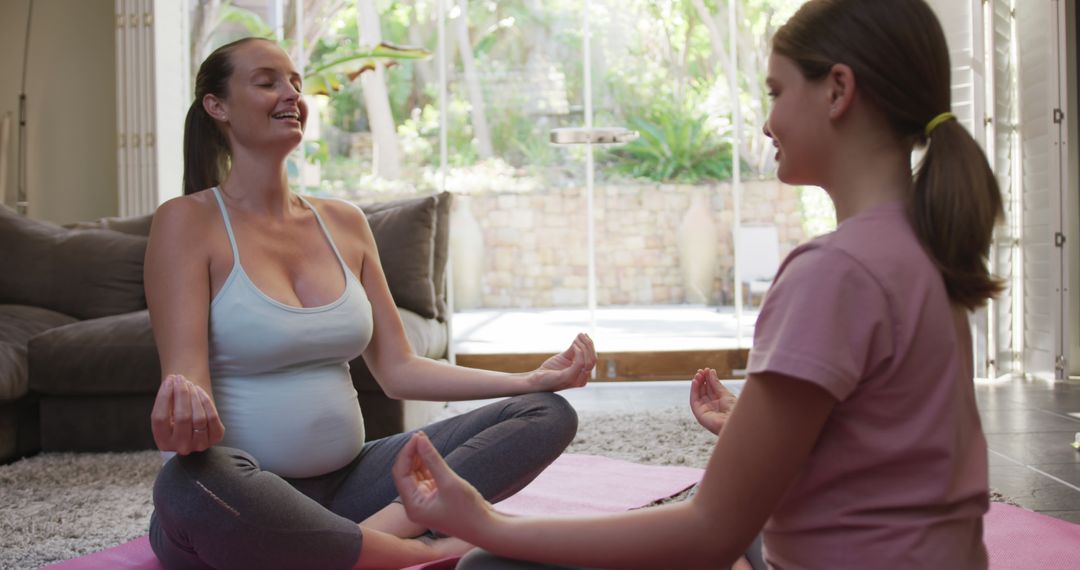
(57, 506)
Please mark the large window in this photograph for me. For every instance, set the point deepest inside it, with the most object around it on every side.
(668, 242)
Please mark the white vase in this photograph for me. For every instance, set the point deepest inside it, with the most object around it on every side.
(698, 249)
(467, 253)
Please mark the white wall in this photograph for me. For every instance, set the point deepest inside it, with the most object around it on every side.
(71, 111)
(12, 24)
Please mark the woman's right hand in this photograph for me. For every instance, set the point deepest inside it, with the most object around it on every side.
(184, 419)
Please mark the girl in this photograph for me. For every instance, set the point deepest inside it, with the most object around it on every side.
(856, 441)
(259, 299)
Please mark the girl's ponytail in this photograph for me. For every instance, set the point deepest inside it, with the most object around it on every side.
(954, 207)
(900, 59)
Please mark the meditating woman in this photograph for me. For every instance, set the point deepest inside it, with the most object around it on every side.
(259, 298)
(856, 442)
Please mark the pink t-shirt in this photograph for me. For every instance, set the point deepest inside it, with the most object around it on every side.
(898, 476)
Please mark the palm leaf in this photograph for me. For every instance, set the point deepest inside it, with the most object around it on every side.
(331, 76)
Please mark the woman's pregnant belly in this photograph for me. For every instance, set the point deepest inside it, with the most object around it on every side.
(296, 423)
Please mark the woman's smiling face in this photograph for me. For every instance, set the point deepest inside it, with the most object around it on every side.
(797, 122)
(265, 105)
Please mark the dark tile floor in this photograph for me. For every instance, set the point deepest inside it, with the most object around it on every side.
(1029, 430)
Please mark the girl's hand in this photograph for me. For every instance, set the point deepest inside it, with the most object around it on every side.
(433, 495)
(184, 419)
(710, 401)
(569, 369)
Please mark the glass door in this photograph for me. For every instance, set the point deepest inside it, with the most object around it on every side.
(662, 246)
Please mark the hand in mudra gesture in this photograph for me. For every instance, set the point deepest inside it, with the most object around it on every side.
(433, 495)
(710, 401)
(184, 419)
(571, 368)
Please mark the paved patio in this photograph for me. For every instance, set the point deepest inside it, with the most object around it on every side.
(618, 329)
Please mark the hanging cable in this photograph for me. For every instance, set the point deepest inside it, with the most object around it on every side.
(21, 202)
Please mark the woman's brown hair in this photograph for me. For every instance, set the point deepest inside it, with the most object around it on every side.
(206, 152)
(898, 54)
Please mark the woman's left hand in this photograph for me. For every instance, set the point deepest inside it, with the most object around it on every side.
(569, 369)
(433, 495)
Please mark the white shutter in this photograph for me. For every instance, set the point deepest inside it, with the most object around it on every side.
(1004, 149)
(963, 25)
(150, 103)
(963, 32)
(1040, 80)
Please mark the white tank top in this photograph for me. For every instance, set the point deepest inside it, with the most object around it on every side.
(280, 374)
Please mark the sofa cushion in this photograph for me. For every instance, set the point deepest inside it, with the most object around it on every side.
(405, 236)
(427, 337)
(18, 324)
(107, 356)
(134, 225)
(82, 273)
(442, 251)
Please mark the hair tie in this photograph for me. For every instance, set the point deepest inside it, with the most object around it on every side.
(933, 124)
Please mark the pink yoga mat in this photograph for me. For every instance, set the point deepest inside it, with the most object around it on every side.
(572, 484)
(132, 555)
(577, 484)
(1016, 539)
(1020, 539)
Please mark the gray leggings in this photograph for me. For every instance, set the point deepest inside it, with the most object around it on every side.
(218, 509)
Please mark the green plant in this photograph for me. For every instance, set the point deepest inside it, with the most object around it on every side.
(674, 146)
(419, 135)
(330, 76)
(520, 140)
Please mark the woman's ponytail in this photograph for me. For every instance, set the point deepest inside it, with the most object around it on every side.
(954, 207)
(206, 151)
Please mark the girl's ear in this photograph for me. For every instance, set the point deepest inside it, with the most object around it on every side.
(215, 107)
(841, 90)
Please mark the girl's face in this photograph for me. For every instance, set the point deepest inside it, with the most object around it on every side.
(265, 106)
(797, 123)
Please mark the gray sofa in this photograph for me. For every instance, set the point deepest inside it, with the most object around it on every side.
(78, 365)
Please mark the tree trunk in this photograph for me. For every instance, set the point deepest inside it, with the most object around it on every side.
(204, 22)
(481, 132)
(754, 145)
(419, 30)
(387, 152)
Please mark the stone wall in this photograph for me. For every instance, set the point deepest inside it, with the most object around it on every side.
(528, 250)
